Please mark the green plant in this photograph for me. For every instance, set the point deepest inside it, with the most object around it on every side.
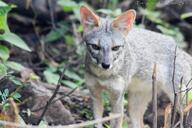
(186, 15)
(51, 75)
(5, 34)
(9, 37)
(7, 66)
(5, 94)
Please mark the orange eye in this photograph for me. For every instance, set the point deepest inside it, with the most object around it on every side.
(115, 48)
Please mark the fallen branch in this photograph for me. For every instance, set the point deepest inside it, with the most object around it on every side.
(84, 124)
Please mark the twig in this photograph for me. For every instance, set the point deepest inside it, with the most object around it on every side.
(181, 105)
(84, 124)
(175, 94)
(187, 94)
(53, 96)
(187, 89)
(177, 124)
(154, 96)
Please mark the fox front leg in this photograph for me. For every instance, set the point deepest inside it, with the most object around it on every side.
(117, 108)
(116, 99)
(95, 91)
(97, 105)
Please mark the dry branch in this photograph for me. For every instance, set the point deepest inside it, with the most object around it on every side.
(154, 96)
(84, 124)
(174, 90)
(181, 105)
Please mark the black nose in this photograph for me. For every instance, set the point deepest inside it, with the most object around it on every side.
(105, 66)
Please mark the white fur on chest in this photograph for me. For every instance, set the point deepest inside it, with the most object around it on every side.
(113, 83)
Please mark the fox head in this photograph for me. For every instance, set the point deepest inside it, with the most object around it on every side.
(105, 39)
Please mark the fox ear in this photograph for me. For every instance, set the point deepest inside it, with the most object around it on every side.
(89, 19)
(124, 22)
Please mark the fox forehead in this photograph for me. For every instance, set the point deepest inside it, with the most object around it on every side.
(104, 35)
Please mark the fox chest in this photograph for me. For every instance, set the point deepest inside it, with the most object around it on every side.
(113, 83)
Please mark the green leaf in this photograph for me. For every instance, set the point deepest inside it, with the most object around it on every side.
(68, 5)
(4, 9)
(190, 96)
(69, 84)
(3, 23)
(69, 39)
(107, 125)
(3, 4)
(3, 69)
(57, 33)
(80, 28)
(16, 96)
(6, 106)
(33, 76)
(15, 66)
(6, 35)
(105, 11)
(16, 82)
(165, 30)
(6, 92)
(72, 75)
(186, 15)
(151, 4)
(15, 40)
(152, 16)
(4, 52)
(42, 124)
(113, 13)
(53, 35)
(51, 77)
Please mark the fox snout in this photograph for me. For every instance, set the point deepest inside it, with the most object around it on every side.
(105, 66)
(106, 58)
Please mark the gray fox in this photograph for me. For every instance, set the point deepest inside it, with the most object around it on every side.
(120, 59)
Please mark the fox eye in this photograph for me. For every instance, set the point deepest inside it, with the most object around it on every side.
(115, 48)
(95, 47)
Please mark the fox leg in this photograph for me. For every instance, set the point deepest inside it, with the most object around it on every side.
(97, 105)
(116, 92)
(95, 91)
(117, 108)
(137, 105)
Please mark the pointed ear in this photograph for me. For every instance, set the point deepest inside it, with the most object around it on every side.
(124, 22)
(89, 19)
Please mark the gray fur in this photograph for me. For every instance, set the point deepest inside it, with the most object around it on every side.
(132, 67)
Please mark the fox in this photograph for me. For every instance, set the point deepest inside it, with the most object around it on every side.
(120, 59)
